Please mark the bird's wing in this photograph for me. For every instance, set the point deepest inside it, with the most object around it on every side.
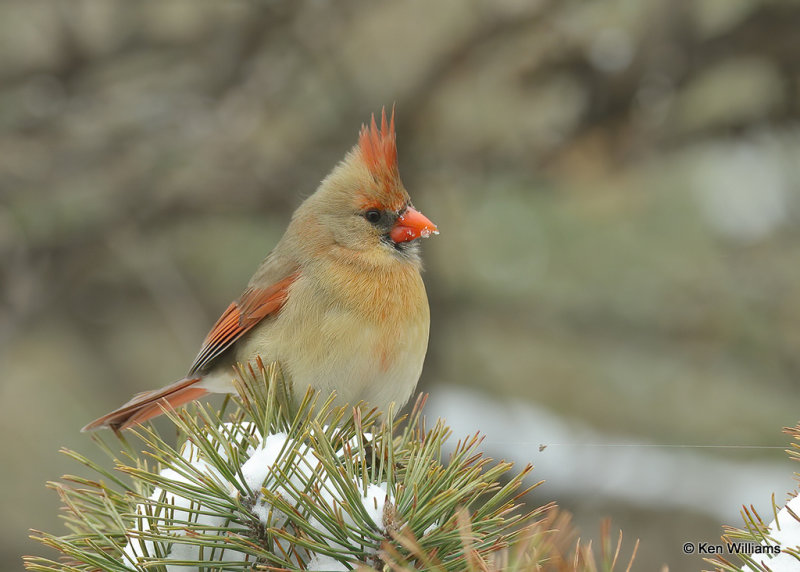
(254, 305)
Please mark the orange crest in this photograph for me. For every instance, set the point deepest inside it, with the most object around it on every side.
(378, 147)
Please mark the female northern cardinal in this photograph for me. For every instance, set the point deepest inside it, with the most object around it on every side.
(339, 302)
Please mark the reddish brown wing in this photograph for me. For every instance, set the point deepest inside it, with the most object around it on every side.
(240, 317)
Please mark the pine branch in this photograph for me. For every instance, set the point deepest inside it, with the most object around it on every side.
(259, 486)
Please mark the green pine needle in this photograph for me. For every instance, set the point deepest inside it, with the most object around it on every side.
(192, 505)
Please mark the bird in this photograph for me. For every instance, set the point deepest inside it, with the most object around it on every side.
(339, 302)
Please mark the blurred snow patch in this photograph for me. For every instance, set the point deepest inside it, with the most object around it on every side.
(576, 460)
(742, 190)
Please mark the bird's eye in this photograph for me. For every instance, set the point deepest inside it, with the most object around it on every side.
(373, 215)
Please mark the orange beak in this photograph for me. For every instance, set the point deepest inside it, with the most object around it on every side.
(411, 225)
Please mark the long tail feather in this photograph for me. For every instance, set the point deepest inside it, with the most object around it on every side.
(144, 406)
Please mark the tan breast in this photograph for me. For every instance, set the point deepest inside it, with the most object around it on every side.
(362, 334)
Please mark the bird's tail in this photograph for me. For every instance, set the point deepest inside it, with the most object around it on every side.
(144, 406)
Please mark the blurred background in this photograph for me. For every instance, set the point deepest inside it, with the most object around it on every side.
(616, 184)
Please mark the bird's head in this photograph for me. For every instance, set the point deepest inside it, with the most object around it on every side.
(363, 206)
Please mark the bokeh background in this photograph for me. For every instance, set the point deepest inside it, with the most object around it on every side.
(616, 183)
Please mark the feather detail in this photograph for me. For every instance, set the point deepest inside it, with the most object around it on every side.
(379, 146)
(144, 406)
(377, 149)
(240, 317)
